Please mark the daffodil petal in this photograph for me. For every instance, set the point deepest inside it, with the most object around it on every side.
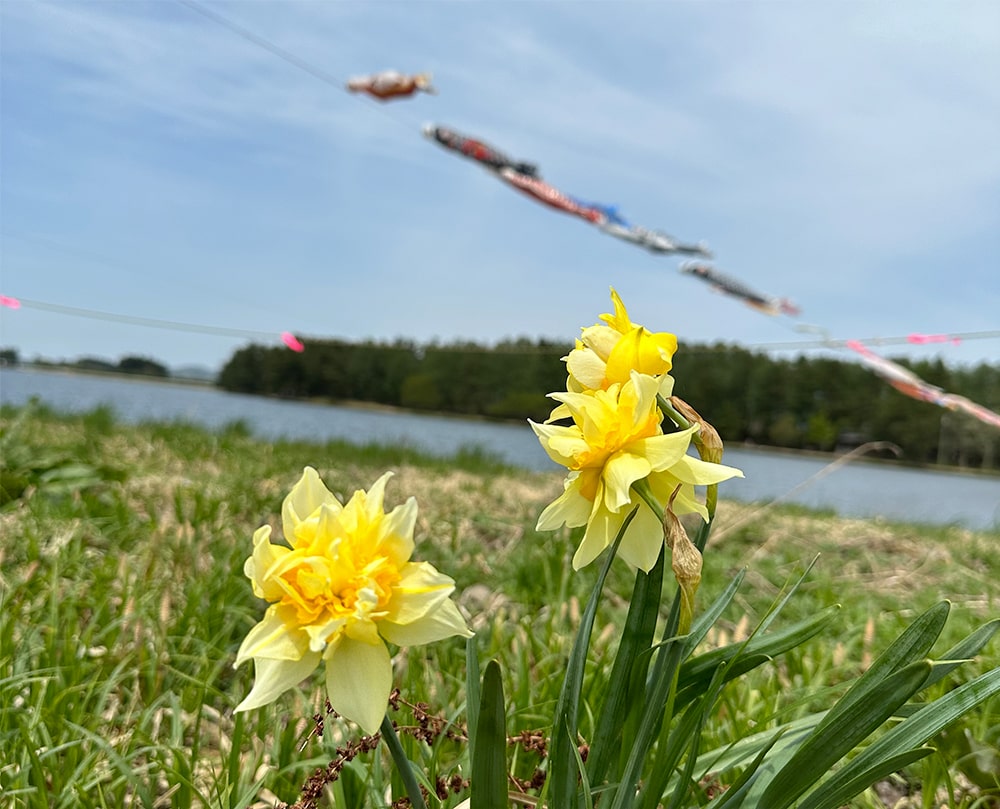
(420, 589)
(559, 442)
(363, 631)
(685, 500)
(395, 535)
(578, 402)
(663, 451)
(699, 472)
(320, 634)
(643, 540)
(645, 388)
(272, 638)
(642, 351)
(358, 681)
(302, 502)
(328, 528)
(658, 349)
(620, 472)
(445, 621)
(601, 531)
(619, 321)
(558, 413)
(375, 497)
(272, 678)
(586, 367)
(571, 508)
(600, 339)
(666, 386)
(265, 557)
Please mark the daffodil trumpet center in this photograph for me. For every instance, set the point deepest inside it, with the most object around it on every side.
(322, 592)
(616, 437)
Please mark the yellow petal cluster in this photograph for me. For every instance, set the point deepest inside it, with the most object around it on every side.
(608, 352)
(341, 587)
(616, 439)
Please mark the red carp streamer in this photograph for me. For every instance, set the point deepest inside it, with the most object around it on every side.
(907, 382)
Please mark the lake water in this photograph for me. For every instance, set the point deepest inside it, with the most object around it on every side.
(858, 489)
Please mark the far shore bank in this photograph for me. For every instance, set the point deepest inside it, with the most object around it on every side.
(377, 407)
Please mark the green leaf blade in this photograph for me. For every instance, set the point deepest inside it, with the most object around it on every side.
(489, 762)
(847, 724)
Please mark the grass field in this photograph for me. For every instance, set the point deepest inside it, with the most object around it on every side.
(123, 601)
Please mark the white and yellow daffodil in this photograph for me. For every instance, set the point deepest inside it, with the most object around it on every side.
(341, 588)
(615, 441)
(608, 352)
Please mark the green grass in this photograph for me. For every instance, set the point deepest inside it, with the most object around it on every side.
(122, 604)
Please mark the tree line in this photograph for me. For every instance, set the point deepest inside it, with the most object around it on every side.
(817, 403)
(140, 366)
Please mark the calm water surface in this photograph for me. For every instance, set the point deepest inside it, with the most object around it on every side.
(855, 490)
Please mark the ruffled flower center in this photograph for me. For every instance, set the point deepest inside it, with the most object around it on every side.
(613, 422)
(334, 586)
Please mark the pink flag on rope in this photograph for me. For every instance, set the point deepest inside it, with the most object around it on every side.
(923, 339)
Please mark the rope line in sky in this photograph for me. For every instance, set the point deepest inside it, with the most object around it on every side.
(277, 50)
(136, 320)
(266, 44)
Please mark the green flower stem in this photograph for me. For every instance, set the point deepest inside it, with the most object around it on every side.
(665, 673)
(563, 769)
(621, 711)
(711, 500)
(701, 538)
(641, 488)
(402, 764)
(712, 491)
(671, 412)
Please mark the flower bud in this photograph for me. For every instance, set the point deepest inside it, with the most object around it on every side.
(686, 562)
(707, 439)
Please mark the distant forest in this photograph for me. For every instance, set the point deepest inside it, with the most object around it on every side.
(140, 366)
(807, 403)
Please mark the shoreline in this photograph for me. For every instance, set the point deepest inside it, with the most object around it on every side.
(378, 407)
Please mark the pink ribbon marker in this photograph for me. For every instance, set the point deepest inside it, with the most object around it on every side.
(13, 303)
(923, 339)
(292, 342)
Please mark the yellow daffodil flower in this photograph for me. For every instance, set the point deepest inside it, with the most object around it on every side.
(616, 439)
(341, 588)
(608, 352)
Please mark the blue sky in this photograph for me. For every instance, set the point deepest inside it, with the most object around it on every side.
(157, 165)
